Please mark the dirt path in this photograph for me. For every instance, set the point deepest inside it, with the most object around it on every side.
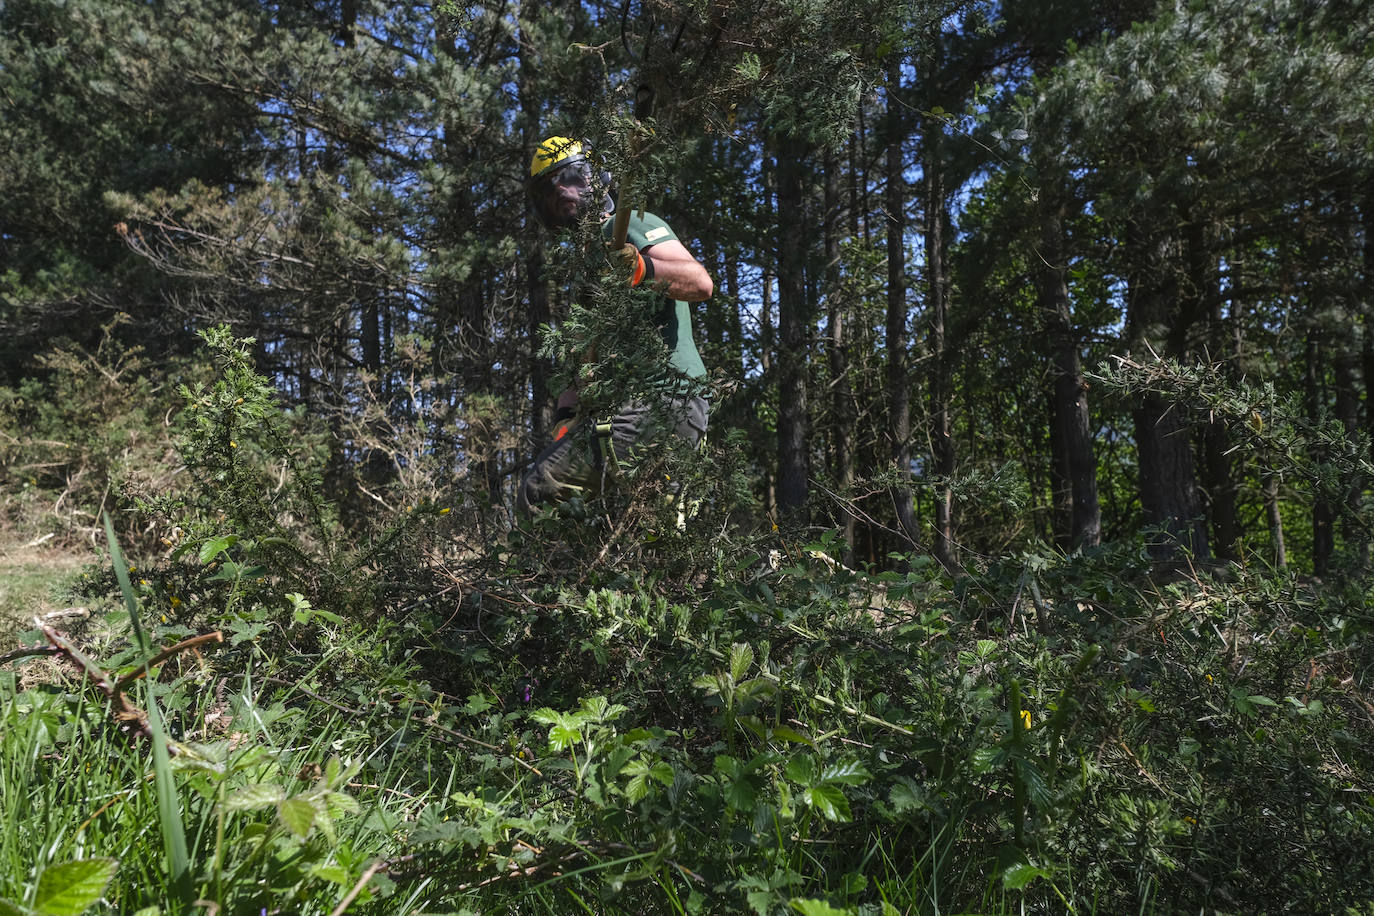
(33, 578)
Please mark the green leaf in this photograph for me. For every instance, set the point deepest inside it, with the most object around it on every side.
(599, 709)
(829, 800)
(216, 546)
(297, 815)
(906, 795)
(760, 901)
(741, 660)
(260, 795)
(848, 772)
(662, 772)
(71, 888)
(740, 791)
(340, 804)
(561, 737)
(854, 883)
(711, 683)
(1020, 874)
(335, 873)
(783, 733)
(801, 769)
(1037, 789)
(819, 908)
(10, 908)
(740, 794)
(985, 758)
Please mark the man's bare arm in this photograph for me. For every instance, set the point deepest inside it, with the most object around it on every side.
(677, 274)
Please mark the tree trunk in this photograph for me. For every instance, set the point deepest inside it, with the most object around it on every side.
(1169, 498)
(841, 397)
(793, 330)
(1218, 475)
(941, 375)
(1323, 537)
(898, 359)
(1271, 512)
(1078, 514)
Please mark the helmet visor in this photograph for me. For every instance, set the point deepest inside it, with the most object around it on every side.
(562, 194)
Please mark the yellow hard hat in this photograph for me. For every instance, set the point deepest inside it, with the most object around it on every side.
(554, 151)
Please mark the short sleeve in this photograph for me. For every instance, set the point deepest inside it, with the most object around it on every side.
(646, 230)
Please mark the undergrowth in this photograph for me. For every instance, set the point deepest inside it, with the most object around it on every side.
(597, 712)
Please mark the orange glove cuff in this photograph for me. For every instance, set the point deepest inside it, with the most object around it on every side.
(644, 269)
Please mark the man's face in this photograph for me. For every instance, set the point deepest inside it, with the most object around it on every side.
(564, 193)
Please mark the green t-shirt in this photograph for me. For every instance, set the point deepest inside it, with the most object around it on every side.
(674, 316)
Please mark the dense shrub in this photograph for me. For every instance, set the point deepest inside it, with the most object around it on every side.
(434, 711)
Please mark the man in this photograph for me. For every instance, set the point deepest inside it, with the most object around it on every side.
(587, 451)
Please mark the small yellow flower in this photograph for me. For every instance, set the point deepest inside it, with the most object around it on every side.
(1208, 677)
(1190, 820)
(445, 511)
(143, 582)
(176, 602)
(233, 444)
(132, 570)
(1026, 718)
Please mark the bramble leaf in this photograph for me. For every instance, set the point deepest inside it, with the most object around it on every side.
(71, 888)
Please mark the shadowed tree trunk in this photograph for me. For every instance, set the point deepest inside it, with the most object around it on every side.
(794, 469)
(841, 397)
(1323, 537)
(1218, 475)
(898, 359)
(1078, 515)
(1169, 498)
(941, 380)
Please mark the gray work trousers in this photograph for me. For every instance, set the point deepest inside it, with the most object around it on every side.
(579, 464)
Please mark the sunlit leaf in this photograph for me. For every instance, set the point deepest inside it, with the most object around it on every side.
(819, 908)
(849, 773)
(71, 888)
(1020, 874)
(297, 815)
(741, 660)
(260, 795)
(829, 800)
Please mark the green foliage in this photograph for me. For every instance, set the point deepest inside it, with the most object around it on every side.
(256, 467)
(757, 730)
(89, 428)
(413, 706)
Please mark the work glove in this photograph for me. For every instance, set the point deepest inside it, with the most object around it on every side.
(638, 267)
(564, 413)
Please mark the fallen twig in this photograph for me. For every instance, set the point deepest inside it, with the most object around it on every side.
(26, 652)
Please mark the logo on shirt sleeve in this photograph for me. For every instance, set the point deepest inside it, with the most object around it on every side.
(654, 235)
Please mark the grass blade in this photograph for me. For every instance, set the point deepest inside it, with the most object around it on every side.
(168, 802)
